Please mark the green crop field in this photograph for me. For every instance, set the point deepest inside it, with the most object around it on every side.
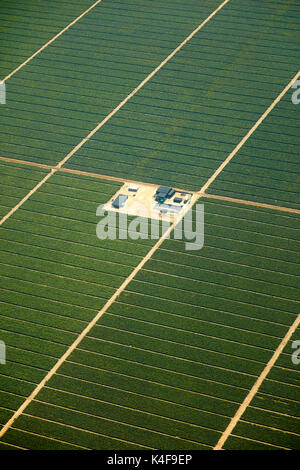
(15, 182)
(178, 128)
(123, 344)
(163, 366)
(275, 406)
(55, 275)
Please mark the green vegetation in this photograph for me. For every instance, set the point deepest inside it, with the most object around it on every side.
(171, 360)
(61, 95)
(169, 363)
(55, 273)
(187, 119)
(28, 27)
(267, 169)
(15, 182)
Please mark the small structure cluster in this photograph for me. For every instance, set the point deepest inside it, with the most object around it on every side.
(159, 202)
(176, 200)
(163, 193)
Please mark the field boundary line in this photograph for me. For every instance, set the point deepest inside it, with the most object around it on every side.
(161, 354)
(125, 180)
(249, 133)
(54, 405)
(50, 41)
(26, 162)
(246, 402)
(252, 203)
(15, 446)
(211, 271)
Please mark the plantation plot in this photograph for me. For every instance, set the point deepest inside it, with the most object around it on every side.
(55, 275)
(171, 360)
(267, 168)
(135, 339)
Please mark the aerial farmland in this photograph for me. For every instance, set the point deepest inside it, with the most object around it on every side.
(177, 328)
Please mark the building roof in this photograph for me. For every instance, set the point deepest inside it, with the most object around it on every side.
(120, 201)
